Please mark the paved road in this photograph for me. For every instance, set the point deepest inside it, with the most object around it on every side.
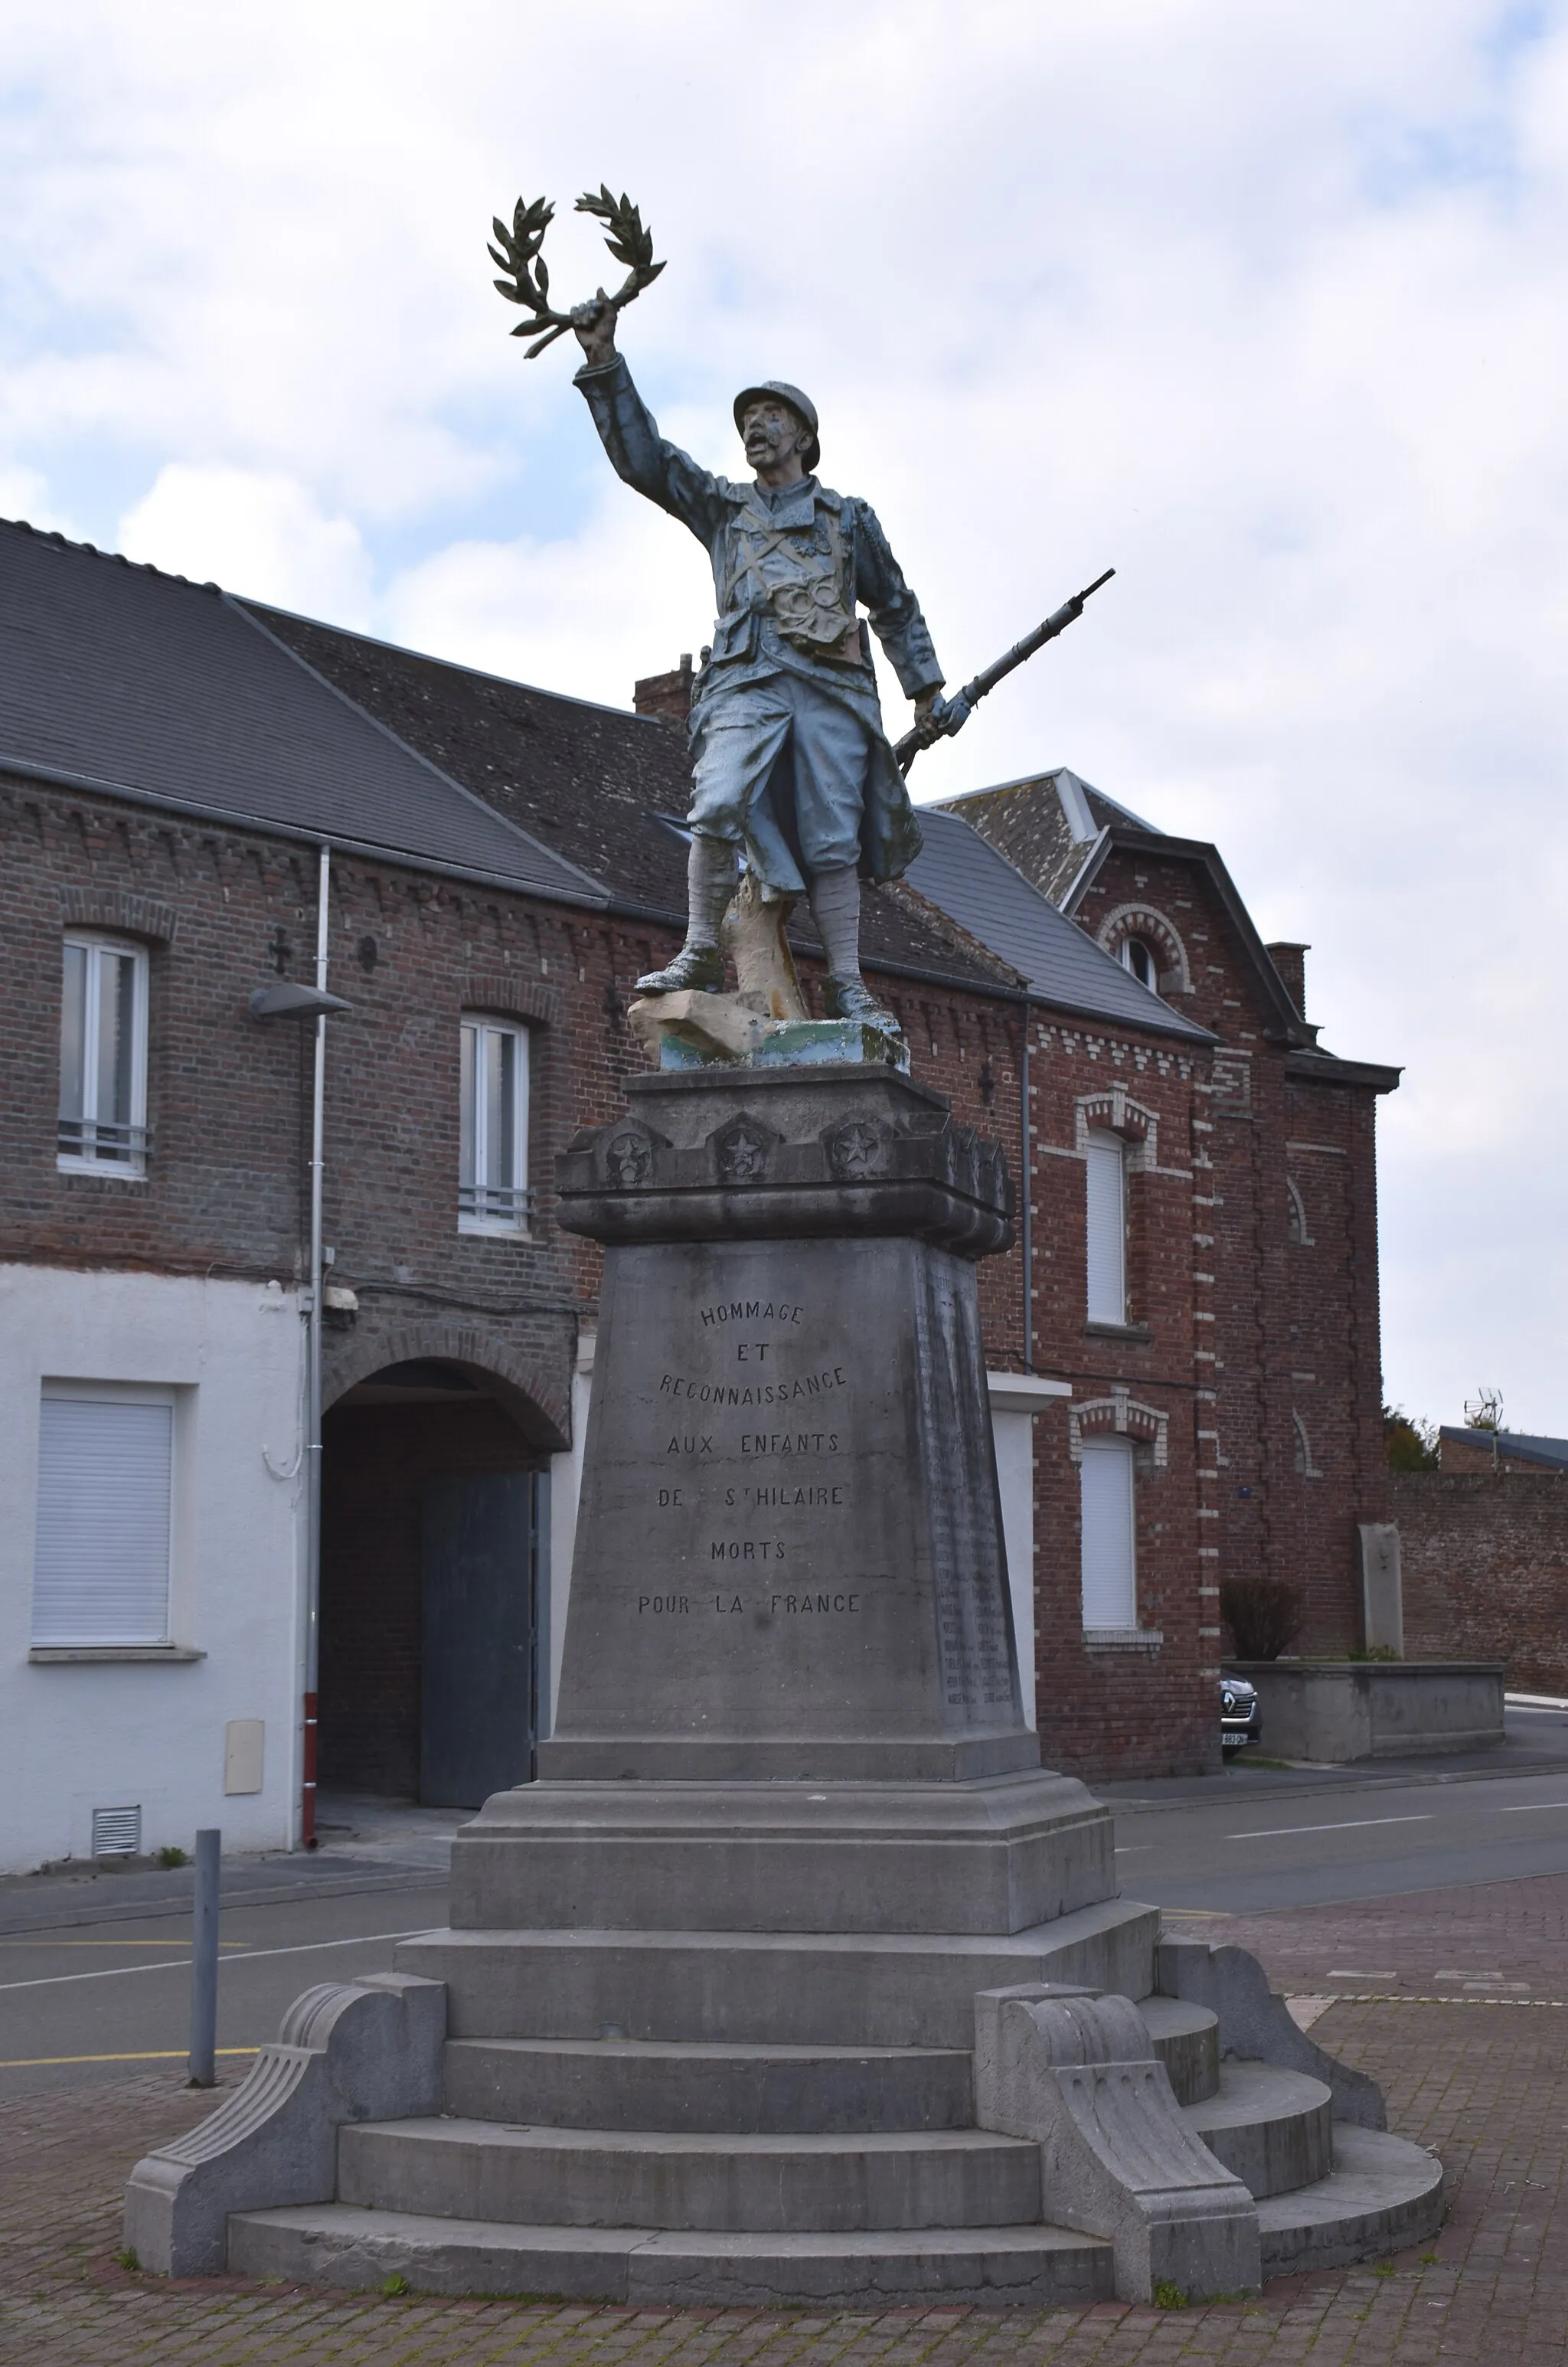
(79, 1998)
(95, 1972)
(1248, 1840)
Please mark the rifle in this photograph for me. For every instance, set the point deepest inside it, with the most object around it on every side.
(955, 713)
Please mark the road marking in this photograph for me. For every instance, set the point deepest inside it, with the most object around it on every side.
(152, 2054)
(182, 1963)
(1529, 1807)
(1351, 1825)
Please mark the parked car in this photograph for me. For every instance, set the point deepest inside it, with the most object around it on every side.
(1239, 1719)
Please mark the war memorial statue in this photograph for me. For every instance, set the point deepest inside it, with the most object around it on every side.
(792, 766)
(786, 1973)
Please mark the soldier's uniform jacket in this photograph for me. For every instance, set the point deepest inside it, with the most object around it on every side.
(789, 566)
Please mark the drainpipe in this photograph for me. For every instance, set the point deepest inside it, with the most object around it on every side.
(313, 1380)
(291, 998)
(1027, 1192)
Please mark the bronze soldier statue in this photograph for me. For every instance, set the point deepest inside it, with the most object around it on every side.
(793, 768)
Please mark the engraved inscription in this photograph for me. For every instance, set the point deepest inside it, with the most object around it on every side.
(757, 1393)
(751, 1310)
(779, 1498)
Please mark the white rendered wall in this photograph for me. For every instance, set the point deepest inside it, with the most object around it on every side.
(78, 1735)
(1016, 1399)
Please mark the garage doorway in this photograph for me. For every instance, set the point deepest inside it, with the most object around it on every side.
(434, 1522)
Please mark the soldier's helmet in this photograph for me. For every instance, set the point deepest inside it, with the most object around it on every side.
(783, 392)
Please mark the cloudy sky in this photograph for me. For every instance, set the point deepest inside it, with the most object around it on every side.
(1262, 304)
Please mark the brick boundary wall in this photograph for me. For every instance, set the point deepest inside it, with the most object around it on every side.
(1485, 1568)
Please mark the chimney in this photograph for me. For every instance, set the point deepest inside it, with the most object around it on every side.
(667, 698)
(1287, 959)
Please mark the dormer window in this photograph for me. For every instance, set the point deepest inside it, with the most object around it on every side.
(1138, 954)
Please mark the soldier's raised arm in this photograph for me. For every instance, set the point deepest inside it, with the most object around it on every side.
(629, 432)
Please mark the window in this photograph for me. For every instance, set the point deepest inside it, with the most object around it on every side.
(1295, 1216)
(1138, 954)
(105, 1490)
(1106, 1191)
(103, 1056)
(492, 1185)
(1110, 1567)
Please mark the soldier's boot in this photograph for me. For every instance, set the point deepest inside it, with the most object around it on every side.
(710, 884)
(850, 998)
(835, 907)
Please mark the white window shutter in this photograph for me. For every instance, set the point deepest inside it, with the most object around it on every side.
(101, 1566)
(1105, 1184)
(1109, 1568)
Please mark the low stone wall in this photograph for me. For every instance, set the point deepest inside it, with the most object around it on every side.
(1485, 1569)
(1331, 1711)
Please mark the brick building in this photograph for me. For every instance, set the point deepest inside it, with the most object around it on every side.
(180, 773)
(1280, 1248)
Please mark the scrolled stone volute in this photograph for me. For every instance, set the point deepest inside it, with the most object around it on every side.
(1076, 2072)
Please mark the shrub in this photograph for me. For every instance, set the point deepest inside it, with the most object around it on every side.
(1264, 1615)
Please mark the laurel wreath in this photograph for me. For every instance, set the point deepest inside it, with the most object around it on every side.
(528, 282)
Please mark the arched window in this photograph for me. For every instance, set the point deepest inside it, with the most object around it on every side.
(1295, 1219)
(1305, 1467)
(1146, 943)
(1138, 954)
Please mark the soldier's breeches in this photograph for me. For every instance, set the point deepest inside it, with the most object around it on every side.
(781, 769)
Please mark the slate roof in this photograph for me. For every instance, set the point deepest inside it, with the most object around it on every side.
(119, 678)
(1046, 824)
(600, 784)
(963, 874)
(122, 678)
(1552, 1453)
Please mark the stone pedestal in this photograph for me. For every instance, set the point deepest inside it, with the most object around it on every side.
(711, 2021)
(789, 1697)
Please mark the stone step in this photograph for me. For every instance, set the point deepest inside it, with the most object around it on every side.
(587, 2177)
(746, 1988)
(1382, 2193)
(1272, 2128)
(1187, 2041)
(596, 2083)
(337, 2243)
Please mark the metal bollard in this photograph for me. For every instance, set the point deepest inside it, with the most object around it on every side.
(204, 1962)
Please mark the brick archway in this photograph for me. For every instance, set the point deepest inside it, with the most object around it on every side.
(538, 1401)
(437, 1441)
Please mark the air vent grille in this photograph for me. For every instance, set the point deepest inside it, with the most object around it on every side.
(117, 1833)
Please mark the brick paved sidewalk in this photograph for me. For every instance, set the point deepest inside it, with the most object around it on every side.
(1484, 2079)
